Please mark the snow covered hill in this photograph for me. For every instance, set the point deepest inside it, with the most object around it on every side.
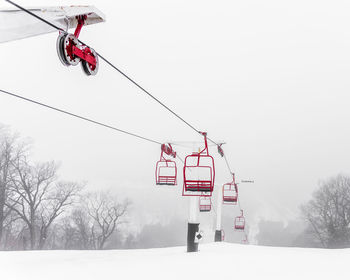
(214, 261)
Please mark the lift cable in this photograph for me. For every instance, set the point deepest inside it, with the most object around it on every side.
(114, 67)
(36, 16)
(77, 116)
(189, 144)
(227, 164)
(123, 74)
(126, 76)
(180, 158)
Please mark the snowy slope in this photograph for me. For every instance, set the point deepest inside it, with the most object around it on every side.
(231, 261)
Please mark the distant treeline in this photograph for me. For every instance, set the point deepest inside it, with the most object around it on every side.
(38, 210)
(324, 223)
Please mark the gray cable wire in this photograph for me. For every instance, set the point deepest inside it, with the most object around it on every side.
(77, 116)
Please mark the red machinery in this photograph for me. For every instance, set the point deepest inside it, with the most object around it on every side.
(16, 24)
(70, 51)
(166, 171)
(204, 204)
(240, 222)
(230, 192)
(199, 172)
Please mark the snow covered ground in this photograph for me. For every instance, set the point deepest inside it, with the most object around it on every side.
(214, 261)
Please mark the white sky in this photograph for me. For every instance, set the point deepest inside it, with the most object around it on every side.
(270, 78)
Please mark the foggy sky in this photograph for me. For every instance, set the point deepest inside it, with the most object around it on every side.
(270, 78)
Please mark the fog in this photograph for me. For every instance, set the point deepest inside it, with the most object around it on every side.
(270, 78)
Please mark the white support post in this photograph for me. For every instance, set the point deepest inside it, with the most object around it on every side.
(218, 231)
(194, 209)
(193, 224)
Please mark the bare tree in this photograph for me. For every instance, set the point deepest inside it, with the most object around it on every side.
(10, 150)
(38, 199)
(66, 234)
(82, 223)
(105, 213)
(328, 212)
(62, 196)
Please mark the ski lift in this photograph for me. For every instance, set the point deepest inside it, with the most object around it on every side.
(245, 240)
(204, 204)
(199, 172)
(240, 222)
(166, 171)
(230, 192)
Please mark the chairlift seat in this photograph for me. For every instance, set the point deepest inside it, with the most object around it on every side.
(166, 173)
(230, 194)
(199, 173)
(166, 170)
(204, 204)
(239, 223)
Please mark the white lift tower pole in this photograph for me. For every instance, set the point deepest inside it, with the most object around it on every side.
(193, 225)
(218, 229)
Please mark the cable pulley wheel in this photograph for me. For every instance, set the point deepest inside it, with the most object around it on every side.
(68, 42)
(90, 69)
(59, 49)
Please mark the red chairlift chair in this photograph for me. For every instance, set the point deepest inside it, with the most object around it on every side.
(245, 240)
(199, 172)
(166, 171)
(240, 222)
(230, 192)
(204, 204)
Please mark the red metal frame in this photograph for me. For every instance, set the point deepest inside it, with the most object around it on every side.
(85, 52)
(230, 192)
(81, 21)
(204, 204)
(240, 222)
(204, 186)
(167, 166)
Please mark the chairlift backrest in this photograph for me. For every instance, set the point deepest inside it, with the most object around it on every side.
(199, 171)
(204, 204)
(230, 192)
(166, 170)
(240, 222)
